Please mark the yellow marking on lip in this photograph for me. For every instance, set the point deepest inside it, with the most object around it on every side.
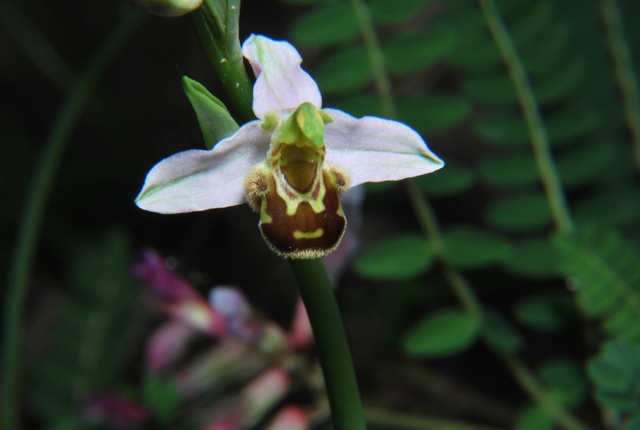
(308, 235)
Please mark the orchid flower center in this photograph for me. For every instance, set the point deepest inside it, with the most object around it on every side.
(300, 165)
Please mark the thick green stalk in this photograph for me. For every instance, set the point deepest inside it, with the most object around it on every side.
(623, 68)
(531, 111)
(331, 341)
(216, 27)
(33, 214)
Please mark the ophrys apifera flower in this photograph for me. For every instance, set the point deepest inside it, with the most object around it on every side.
(291, 164)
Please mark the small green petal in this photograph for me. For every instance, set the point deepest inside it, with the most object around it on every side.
(311, 123)
(215, 120)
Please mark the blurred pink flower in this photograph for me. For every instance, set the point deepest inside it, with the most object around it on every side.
(115, 411)
(289, 418)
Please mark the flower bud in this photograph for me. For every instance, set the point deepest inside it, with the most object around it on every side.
(169, 8)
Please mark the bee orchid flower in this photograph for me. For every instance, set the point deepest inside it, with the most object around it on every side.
(291, 164)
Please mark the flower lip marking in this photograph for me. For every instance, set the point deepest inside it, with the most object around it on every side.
(293, 163)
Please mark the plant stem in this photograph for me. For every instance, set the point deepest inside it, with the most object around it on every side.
(623, 69)
(376, 59)
(388, 419)
(531, 385)
(33, 214)
(221, 46)
(333, 350)
(530, 109)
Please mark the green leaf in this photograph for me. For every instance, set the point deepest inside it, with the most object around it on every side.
(359, 105)
(560, 84)
(509, 170)
(215, 120)
(432, 114)
(565, 380)
(598, 208)
(572, 123)
(162, 397)
(441, 334)
(604, 270)
(401, 257)
(533, 418)
(615, 373)
(326, 26)
(551, 50)
(453, 179)
(531, 25)
(412, 52)
(632, 423)
(476, 53)
(500, 334)
(584, 164)
(496, 89)
(525, 212)
(548, 311)
(386, 12)
(469, 247)
(504, 130)
(534, 257)
(345, 71)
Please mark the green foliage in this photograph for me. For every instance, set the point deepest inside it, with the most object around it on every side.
(615, 374)
(345, 71)
(544, 311)
(88, 332)
(499, 334)
(566, 381)
(385, 12)
(524, 212)
(454, 179)
(533, 418)
(312, 28)
(161, 397)
(441, 334)
(467, 247)
(604, 270)
(400, 257)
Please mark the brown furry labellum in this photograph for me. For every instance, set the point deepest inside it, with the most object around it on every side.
(299, 205)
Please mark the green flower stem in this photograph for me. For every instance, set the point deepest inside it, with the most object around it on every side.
(222, 48)
(376, 59)
(333, 350)
(623, 68)
(387, 419)
(33, 214)
(530, 109)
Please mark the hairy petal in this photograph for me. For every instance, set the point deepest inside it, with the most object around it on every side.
(373, 149)
(281, 83)
(197, 180)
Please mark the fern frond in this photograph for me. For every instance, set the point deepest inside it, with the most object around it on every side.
(604, 269)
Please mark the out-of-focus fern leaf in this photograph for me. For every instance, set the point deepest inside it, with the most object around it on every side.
(615, 374)
(431, 114)
(469, 247)
(359, 105)
(548, 311)
(561, 84)
(500, 334)
(509, 170)
(477, 54)
(524, 212)
(572, 123)
(454, 179)
(550, 51)
(533, 418)
(584, 164)
(533, 258)
(83, 350)
(533, 23)
(386, 12)
(604, 268)
(326, 26)
(411, 52)
(345, 71)
(567, 384)
(610, 208)
(506, 130)
(493, 88)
